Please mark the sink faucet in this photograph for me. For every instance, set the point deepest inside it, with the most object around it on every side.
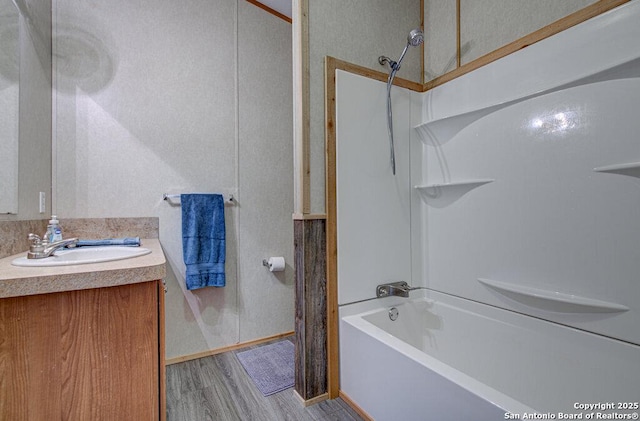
(400, 289)
(39, 249)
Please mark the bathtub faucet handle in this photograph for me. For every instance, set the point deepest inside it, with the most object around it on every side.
(400, 289)
(382, 291)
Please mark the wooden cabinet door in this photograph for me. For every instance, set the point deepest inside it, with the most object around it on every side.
(81, 355)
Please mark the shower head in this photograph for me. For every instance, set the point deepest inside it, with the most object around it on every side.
(415, 38)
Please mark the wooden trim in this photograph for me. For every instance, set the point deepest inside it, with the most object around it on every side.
(270, 10)
(458, 48)
(338, 64)
(308, 216)
(355, 407)
(161, 359)
(333, 357)
(560, 25)
(181, 359)
(422, 47)
(302, 108)
(306, 107)
(313, 401)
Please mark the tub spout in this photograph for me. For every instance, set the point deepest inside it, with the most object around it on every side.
(400, 289)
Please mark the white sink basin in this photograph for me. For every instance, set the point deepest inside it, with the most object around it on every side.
(83, 255)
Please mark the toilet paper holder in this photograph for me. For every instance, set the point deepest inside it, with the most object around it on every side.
(274, 264)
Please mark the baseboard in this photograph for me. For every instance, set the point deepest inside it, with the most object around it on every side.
(312, 401)
(355, 406)
(181, 359)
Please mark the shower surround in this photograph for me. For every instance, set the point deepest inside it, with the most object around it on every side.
(516, 194)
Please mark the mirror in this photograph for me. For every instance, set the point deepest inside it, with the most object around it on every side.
(9, 106)
(26, 108)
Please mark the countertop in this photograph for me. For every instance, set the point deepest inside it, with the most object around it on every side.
(19, 281)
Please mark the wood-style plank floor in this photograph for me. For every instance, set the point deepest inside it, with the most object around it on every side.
(217, 388)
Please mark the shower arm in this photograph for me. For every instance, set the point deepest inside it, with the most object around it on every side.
(394, 65)
(386, 60)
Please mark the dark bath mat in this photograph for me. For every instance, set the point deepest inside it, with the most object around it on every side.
(271, 367)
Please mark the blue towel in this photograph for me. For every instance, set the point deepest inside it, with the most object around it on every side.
(203, 239)
(127, 241)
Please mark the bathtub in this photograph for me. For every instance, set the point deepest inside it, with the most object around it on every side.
(447, 358)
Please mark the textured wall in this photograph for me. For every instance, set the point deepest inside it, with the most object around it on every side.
(172, 97)
(358, 32)
(440, 55)
(484, 26)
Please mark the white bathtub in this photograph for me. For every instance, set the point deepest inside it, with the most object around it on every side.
(447, 358)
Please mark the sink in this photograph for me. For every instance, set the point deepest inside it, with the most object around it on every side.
(83, 255)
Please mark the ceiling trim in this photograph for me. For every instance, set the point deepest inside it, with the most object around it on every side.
(270, 10)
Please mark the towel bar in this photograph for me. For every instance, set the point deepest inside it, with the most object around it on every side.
(174, 199)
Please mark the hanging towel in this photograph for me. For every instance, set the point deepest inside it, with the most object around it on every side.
(127, 241)
(203, 239)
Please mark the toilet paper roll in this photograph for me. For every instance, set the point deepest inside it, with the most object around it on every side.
(276, 264)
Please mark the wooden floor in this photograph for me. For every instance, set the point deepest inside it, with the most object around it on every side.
(217, 388)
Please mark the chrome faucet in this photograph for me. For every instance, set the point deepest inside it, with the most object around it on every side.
(400, 289)
(39, 248)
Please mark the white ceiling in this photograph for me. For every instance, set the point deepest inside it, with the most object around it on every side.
(282, 6)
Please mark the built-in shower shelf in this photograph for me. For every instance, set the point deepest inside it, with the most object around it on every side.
(438, 131)
(570, 301)
(631, 169)
(444, 194)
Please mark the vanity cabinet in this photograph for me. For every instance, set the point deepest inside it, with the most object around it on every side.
(92, 354)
